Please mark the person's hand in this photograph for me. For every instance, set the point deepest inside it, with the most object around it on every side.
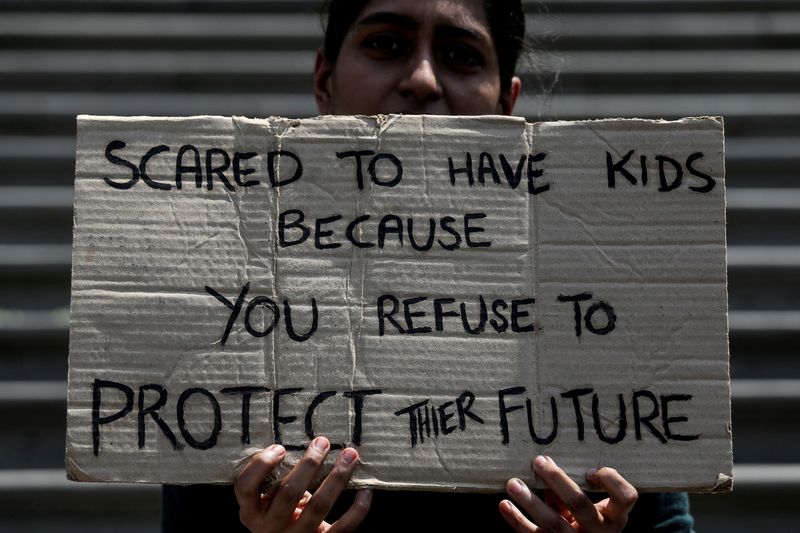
(287, 505)
(566, 507)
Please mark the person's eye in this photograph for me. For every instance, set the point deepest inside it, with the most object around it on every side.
(384, 45)
(462, 56)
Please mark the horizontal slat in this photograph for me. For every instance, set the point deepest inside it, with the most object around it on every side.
(584, 5)
(683, 24)
(740, 321)
(61, 197)
(21, 197)
(741, 390)
(35, 255)
(764, 256)
(305, 24)
(42, 104)
(163, 62)
(579, 106)
(56, 479)
(63, 147)
(765, 389)
(761, 148)
(654, 5)
(37, 147)
(744, 475)
(763, 199)
(160, 26)
(29, 322)
(705, 63)
(697, 62)
(44, 255)
(573, 106)
(765, 321)
(33, 391)
(183, 5)
(761, 476)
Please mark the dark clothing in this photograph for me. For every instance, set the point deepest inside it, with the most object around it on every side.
(213, 508)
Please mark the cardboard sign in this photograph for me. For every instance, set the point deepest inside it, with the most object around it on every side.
(452, 295)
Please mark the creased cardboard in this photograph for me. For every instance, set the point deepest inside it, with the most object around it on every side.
(452, 295)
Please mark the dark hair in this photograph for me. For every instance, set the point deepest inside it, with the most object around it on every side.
(506, 25)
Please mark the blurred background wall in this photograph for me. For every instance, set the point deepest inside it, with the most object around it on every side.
(616, 58)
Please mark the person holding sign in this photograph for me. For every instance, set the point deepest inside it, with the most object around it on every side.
(445, 57)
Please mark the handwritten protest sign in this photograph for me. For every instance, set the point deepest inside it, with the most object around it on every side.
(452, 295)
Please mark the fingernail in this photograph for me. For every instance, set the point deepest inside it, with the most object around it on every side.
(505, 505)
(591, 472)
(517, 486)
(320, 443)
(349, 455)
(540, 461)
(275, 451)
(549, 459)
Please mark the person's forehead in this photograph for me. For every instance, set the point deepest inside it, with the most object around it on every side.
(465, 14)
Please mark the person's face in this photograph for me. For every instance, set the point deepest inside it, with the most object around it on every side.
(415, 57)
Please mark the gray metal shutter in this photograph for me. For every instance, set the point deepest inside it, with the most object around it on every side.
(630, 58)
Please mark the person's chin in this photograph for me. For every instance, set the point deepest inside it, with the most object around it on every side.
(425, 111)
(431, 108)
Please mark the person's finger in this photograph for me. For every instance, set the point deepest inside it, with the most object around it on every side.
(516, 519)
(350, 520)
(325, 496)
(551, 499)
(250, 480)
(622, 495)
(292, 488)
(541, 513)
(300, 506)
(578, 503)
(304, 500)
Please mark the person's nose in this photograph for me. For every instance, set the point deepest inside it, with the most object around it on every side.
(421, 81)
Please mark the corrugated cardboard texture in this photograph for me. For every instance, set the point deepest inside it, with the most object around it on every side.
(238, 282)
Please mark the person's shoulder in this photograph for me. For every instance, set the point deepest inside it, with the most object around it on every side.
(661, 512)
